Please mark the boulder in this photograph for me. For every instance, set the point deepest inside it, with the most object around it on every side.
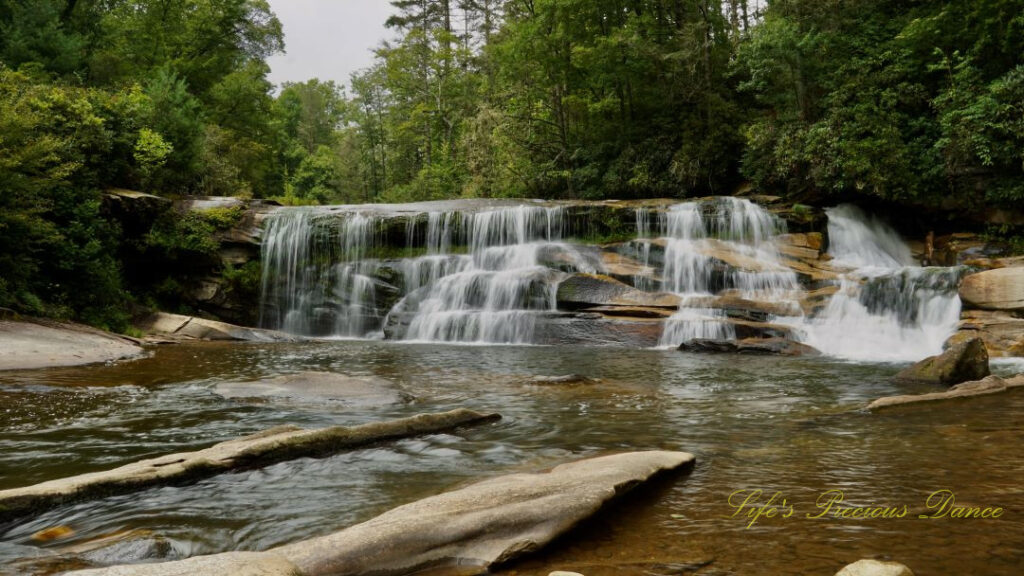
(261, 449)
(999, 289)
(29, 343)
(758, 346)
(479, 526)
(192, 327)
(588, 290)
(875, 568)
(960, 363)
(990, 385)
(317, 388)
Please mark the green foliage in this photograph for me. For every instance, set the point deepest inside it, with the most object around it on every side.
(182, 236)
(917, 102)
(244, 281)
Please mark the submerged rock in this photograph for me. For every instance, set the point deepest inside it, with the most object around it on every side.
(1000, 289)
(565, 379)
(960, 363)
(226, 564)
(765, 346)
(875, 568)
(317, 387)
(484, 524)
(990, 385)
(261, 449)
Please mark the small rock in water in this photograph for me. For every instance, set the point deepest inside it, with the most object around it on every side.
(875, 568)
(565, 379)
(55, 533)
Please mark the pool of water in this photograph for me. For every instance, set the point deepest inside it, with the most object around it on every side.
(775, 424)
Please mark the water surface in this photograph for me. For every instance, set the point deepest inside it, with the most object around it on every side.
(777, 424)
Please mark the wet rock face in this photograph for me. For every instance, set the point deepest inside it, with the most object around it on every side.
(1000, 289)
(585, 290)
(963, 362)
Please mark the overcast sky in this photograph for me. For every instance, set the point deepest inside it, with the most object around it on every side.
(327, 39)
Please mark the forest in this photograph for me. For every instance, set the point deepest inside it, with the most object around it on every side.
(918, 103)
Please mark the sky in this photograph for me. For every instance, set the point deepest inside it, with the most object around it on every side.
(327, 39)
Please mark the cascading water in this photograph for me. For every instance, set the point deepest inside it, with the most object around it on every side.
(493, 294)
(489, 272)
(886, 308)
(317, 280)
(717, 247)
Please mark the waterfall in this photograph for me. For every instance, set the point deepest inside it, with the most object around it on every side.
(887, 308)
(489, 271)
(496, 292)
(316, 278)
(704, 242)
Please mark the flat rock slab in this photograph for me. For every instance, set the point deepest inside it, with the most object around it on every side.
(984, 387)
(262, 449)
(191, 327)
(45, 344)
(481, 525)
(317, 387)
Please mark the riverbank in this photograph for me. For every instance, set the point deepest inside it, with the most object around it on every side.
(32, 343)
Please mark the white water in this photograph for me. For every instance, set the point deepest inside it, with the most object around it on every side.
(491, 276)
(697, 237)
(887, 308)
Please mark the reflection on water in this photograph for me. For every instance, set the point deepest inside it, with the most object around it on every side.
(770, 423)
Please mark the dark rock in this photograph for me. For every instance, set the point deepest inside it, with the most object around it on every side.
(960, 363)
(596, 330)
(567, 379)
(755, 346)
(134, 211)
